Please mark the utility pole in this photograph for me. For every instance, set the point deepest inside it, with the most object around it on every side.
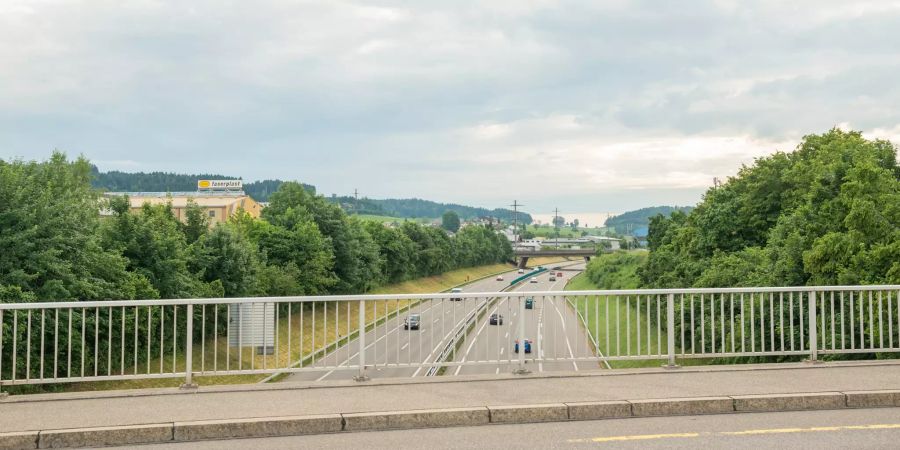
(556, 224)
(356, 203)
(515, 207)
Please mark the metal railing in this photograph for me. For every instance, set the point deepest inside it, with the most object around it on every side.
(60, 342)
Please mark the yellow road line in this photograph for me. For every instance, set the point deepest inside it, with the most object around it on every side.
(888, 426)
(640, 437)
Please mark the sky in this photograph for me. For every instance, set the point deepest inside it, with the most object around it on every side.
(583, 106)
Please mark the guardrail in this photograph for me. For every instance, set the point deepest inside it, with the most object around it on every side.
(60, 342)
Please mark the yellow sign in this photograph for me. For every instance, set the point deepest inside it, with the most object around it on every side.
(220, 184)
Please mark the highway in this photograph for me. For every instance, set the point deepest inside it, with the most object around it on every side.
(553, 327)
(836, 429)
(389, 344)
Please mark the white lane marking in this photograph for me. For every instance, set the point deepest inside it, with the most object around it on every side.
(501, 350)
(498, 371)
(506, 336)
(565, 333)
(466, 355)
(436, 320)
(388, 332)
(404, 346)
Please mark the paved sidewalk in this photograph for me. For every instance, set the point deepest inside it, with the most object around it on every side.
(104, 409)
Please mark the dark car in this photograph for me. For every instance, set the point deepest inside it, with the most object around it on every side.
(552, 278)
(412, 322)
(527, 346)
(529, 303)
(496, 319)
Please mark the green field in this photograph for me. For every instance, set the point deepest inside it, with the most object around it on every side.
(547, 231)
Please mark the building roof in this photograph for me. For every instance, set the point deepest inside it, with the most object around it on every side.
(180, 199)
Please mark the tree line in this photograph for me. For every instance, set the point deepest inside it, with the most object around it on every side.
(54, 246)
(827, 213)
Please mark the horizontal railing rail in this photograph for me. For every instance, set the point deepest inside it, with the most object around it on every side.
(415, 334)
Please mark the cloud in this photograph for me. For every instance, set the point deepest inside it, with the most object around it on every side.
(477, 102)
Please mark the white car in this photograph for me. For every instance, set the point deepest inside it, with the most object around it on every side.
(521, 270)
(533, 280)
(499, 277)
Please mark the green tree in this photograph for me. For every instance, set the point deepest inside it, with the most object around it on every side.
(196, 222)
(225, 255)
(49, 245)
(450, 221)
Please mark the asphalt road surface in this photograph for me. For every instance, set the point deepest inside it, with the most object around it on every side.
(553, 327)
(389, 345)
(838, 429)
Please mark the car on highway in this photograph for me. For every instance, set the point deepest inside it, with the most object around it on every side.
(496, 319)
(455, 291)
(527, 346)
(557, 268)
(529, 303)
(499, 277)
(559, 274)
(533, 280)
(412, 322)
(521, 270)
(552, 278)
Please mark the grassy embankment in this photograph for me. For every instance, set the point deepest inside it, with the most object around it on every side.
(616, 271)
(305, 338)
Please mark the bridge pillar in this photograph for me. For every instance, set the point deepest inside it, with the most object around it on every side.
(587, 259)
(523, 262)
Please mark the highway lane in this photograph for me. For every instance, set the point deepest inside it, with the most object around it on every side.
(388, 345)
(555, 329)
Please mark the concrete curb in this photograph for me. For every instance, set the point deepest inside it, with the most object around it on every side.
(449, 417)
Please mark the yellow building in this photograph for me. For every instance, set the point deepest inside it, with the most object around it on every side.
(218, 205)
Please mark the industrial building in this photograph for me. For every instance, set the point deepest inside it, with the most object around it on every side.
(218, 204)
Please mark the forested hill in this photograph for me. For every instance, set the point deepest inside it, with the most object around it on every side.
(117, 181)
(173, 182)
(414, 207)
(632, 220)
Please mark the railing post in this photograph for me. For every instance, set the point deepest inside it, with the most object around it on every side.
(189, 350)
(361, 375)
(813, 334)
(670, 331)
(521, 370)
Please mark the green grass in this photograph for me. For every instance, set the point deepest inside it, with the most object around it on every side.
(595, 310)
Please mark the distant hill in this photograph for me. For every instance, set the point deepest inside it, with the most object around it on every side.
(418, 208)
(628, 222)
(116, 181)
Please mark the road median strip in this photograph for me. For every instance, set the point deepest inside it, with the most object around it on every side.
(439, 418)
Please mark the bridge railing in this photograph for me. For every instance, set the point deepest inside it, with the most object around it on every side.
(60, 342)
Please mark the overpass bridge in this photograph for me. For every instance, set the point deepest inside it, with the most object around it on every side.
(522, 255)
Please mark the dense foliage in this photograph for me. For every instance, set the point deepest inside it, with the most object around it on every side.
(827, 213)
(450, 221)
(617, 270)
(55, 246)
(629, 221)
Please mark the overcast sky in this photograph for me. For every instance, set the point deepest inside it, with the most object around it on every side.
(586, 106)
